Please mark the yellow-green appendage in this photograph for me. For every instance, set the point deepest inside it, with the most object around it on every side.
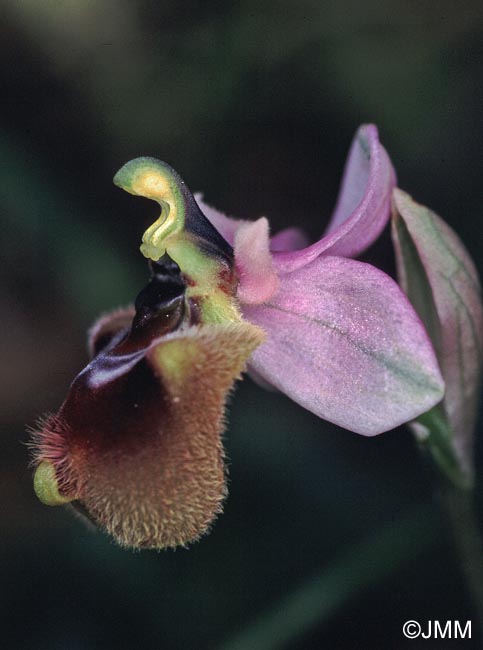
(46, 487)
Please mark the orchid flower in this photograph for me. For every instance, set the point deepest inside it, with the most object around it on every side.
(342, 339)
(136, 445)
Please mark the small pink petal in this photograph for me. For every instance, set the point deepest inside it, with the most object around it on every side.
(290, 239)
(344, 342)
(226, 226)
(363, 206)
(454, 293)
(253, 262)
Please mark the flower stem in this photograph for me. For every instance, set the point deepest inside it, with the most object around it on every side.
(460, 510)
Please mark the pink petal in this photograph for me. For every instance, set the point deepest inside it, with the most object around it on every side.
(344, 342)
(363, 205)
(290, 239)
(452, 310)
(226, 226)
(258, 280)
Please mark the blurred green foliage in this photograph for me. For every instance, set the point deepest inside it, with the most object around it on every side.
(255, 105)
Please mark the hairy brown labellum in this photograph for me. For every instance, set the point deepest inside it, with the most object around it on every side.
(137, 442)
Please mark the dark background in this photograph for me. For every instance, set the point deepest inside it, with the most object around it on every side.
(255, 105)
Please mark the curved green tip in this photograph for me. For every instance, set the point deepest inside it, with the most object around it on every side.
(148, 177)
(46, 487)
(156, 180)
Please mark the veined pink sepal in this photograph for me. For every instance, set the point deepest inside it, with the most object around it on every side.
(345, 343)
(363, 207)
(362, 210)
(438, 274)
